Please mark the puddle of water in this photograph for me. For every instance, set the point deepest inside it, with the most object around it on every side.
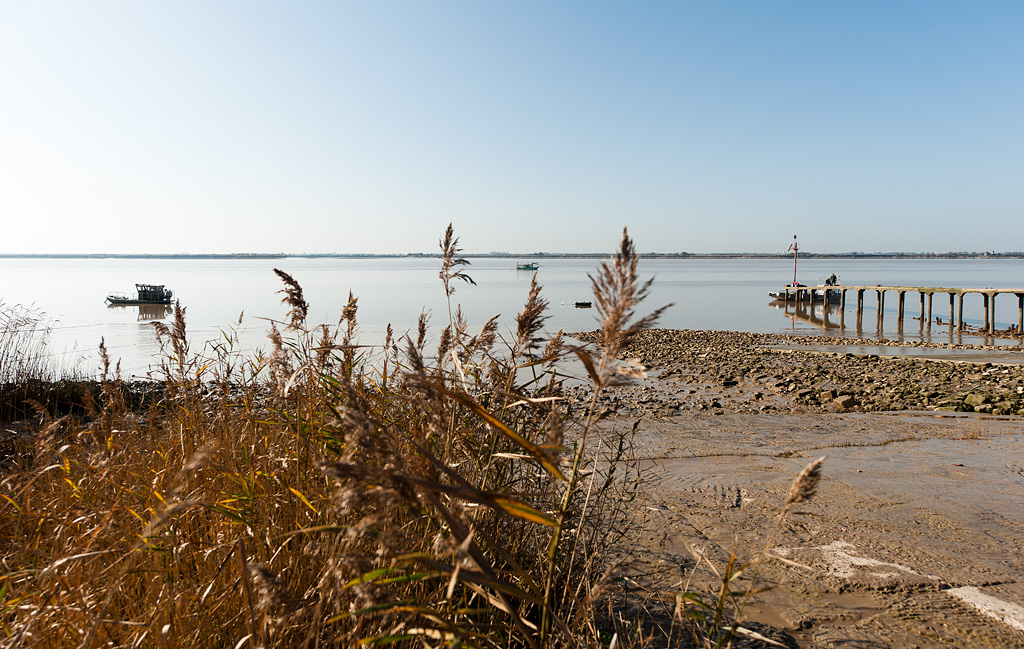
(935, 353)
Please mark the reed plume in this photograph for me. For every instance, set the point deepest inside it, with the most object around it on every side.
(293, 297)
(451, 263)
(317, 500)
(617, 291)
(531, 320)
(178, 355)
(806, 484)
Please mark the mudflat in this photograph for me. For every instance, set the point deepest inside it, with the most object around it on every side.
(915, 537)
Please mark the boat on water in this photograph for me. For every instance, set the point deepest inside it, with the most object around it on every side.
(583, 305)
(144, 294)
(527, 266)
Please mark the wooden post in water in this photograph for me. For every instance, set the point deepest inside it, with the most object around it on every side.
(992, 315)
(881, 307)
(1020, 312)
(984, 300)
(951, 320)
(960, 312)
(900, 295)
(842, 308)
(930, 296)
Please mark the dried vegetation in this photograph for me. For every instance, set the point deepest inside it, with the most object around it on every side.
(330, 493)
(325, 493)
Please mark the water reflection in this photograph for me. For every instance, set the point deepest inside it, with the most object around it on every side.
(823, 315)
(146, 312)
(832, 318)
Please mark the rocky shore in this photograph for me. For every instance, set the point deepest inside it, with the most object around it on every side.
(914, 535)
(723, 371)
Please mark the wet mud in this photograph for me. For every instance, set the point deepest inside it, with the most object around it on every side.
(914, 537)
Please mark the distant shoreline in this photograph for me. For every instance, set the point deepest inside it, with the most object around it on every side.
(534, 255)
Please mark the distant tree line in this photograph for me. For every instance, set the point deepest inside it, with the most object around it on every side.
(533, 255)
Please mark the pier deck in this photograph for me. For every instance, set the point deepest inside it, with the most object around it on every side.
(956, 298)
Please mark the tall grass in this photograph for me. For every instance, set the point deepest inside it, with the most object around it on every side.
(32, 377)
(329, 492)
(24, 345)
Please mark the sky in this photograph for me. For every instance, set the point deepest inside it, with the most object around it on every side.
(366, 127)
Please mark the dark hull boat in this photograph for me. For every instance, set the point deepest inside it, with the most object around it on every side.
(144, 294)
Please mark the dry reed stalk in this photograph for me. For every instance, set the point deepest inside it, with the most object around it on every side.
(805, 485)
(294, 299)
(531, 320)
(451, 263)
(617, 291)
(408, 502)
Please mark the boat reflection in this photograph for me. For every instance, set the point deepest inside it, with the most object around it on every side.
(824, 316)
(147, 312)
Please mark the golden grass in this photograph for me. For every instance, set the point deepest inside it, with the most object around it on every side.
(331, 493)
(326, 493)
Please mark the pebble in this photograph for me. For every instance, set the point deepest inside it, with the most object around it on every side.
(748, 372)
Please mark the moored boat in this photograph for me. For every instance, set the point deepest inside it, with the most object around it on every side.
(527, 266)
(144, 294)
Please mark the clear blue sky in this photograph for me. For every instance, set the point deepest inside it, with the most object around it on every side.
(533, 126)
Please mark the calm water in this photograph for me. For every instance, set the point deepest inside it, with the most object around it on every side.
(708, 294)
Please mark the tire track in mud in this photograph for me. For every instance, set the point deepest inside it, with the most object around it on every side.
(917, 541)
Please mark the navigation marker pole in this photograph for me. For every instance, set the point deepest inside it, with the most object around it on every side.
(795, 249)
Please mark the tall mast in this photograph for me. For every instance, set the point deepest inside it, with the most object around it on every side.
(795, 249)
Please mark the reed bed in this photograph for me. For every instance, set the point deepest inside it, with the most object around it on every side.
(24, 345)
(32, 377)
(328, 492)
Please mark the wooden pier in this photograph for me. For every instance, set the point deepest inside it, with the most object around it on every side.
(825, 294)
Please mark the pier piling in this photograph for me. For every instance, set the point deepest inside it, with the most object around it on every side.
(826, 294)
(989, 308)
(901, 300)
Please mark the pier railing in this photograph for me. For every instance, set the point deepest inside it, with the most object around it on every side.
(956, 299)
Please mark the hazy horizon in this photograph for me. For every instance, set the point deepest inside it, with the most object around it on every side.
(551, 253)
(366, 127)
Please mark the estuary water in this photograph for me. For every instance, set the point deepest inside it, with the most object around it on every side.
(727, 294)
